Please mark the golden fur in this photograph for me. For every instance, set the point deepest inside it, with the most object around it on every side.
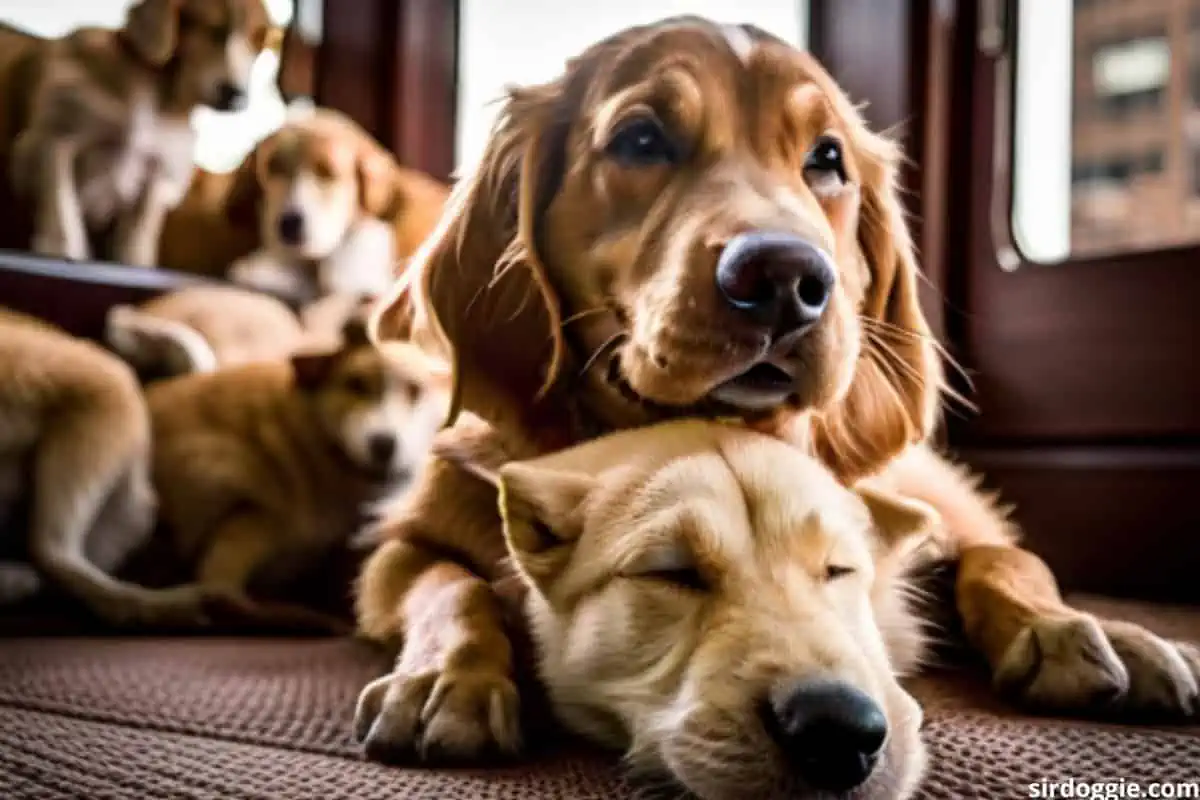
(572, 286)
(262, 470)
(357, 213)
(96, 137)
(201, 329)
(74, 460)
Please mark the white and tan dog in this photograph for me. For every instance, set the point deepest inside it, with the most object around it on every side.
(97, 138)
(75, 493)
(264, 470)
(707, 599)
(336, 213)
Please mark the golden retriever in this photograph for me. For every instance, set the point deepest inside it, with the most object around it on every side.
(711, 601)
(334, 212)
(75, 492)
(694, 220)
(265, 469)
(97, 137)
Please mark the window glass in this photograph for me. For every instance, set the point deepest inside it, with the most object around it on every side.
(519, 42)
(1107, 127)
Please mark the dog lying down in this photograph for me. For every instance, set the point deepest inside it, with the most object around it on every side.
(265, 470)
(711, 601)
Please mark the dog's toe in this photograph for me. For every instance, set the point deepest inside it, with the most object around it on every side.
(1062, 664)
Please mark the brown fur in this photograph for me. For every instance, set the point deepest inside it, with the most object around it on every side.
(74, 449)
(575, 295)
(96, 139)
(264, 469)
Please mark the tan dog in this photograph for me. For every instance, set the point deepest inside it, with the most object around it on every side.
(99, 135)
(694, 220)
(265, 469)
(709, 600)
(335, 213)
(201, 329)
(74, 460)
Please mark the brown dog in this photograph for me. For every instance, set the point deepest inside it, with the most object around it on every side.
(75, 494)
(96, 135)
(694, 220)
(330, 209)
(263, 470)
(688, 580)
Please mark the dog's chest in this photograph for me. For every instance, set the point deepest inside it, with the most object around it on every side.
(118, 167)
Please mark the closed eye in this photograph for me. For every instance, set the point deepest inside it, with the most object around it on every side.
(835, 571)
(673, 564)
(686, 577)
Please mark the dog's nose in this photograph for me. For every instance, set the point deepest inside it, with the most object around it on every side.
(382, 447)
(229, 97)
(778, 278)
(830, 732)
(291, 227)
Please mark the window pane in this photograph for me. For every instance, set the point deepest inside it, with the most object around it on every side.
(1107, 127)
(529, 41)
(223, 139)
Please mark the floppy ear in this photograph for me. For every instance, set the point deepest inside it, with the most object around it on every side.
(244, 199)
(311, 369)
(542, 509)
(897, 518)
(152, 27)
(476, 290)
(894, 398)
(377, 190)
(156, 345)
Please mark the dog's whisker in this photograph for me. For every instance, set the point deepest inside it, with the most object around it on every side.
(587, 312)
(604, 347)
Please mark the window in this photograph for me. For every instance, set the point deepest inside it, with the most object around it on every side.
(1106, 119)
(223, 139)
(489, 62)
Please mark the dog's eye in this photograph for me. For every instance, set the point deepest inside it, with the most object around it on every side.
(825, 162)
(356, 384)
(412, 391)
(276, 165)
(674, 565)
(835, 571)
(684, 577)
(641, 142)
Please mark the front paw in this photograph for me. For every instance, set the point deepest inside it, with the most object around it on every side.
(456, 715)
(55, 246)
(1075, 663)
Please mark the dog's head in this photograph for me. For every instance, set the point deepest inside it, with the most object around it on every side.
(693, 219)
(307, 183)
(381, 405)
(717, 603)
(211, 45)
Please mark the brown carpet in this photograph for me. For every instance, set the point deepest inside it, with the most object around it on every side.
(150, 718)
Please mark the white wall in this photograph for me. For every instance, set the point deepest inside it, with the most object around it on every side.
(506, 42)
(223, 139)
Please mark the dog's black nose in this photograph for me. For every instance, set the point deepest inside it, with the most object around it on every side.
(382, 447)
(291, 227)
(229, 97)
(830, 732)
(778, 278)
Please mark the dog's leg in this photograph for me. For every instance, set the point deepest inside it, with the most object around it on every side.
(18, 581)
(264, 272)
(138, 231)
(237, 549)
(451, 694)
(60, 231)
(1042, 652)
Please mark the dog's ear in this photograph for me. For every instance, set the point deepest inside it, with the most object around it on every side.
(542, 509)
(354, 331)
(476, 290)
(154, 345)
(896, 518)
(243, 202)
(377, 182)
(894, 397)
(311, 369)
(152, 27)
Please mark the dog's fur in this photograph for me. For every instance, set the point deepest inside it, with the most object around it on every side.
(360, 214)
(96, 136)
(679, 577)
(574, 290)
(265, 469)
(201, 329)
(75, 494)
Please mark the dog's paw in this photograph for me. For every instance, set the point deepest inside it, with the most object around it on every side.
(18, 581)
(1079, 664)
(434, 716)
